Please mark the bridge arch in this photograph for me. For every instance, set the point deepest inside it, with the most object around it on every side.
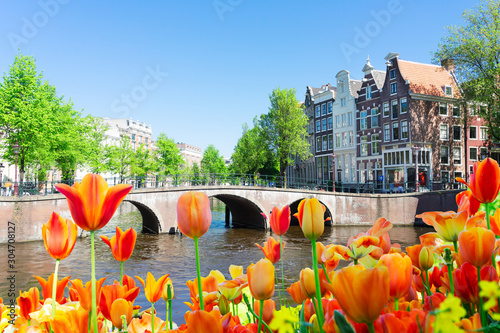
(151, 219)
(244, 212)
(294, 209)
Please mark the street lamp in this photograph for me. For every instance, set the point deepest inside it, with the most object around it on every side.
(333, 170)
(15, 149)
(416, 150)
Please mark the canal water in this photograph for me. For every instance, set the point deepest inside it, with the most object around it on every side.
(162, 254)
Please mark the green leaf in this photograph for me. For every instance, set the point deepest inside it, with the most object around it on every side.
(342, 323)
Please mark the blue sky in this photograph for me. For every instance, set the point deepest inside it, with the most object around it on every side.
(198, 70)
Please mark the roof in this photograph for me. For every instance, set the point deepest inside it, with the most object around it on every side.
(355, 85)
(379, 77)
(427, 79)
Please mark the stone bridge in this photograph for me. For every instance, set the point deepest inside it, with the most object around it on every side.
(244, 204)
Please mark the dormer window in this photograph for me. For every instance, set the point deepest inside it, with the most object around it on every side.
(448, 91)
(392, 74)
(368, 92)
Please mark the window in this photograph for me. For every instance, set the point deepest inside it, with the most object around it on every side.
(457, 155)
(386, 109)
(404, 129)
(364, 146)
(325, 142)
(483, 133)
(445, 155)
(392, 74)
(473, 153)
(375, 114)
(342, 102)
(443, 132)
(448, 91)
(404, 105)
(443, 109)
(457, 133)
(394, 109)
(133, 137)
(337, 121)
(473, 110)
(456, 110)
(330, 107)
(318, 111)
(471, 169)
(445, 176)
(349, 118)
(330, 141)
(393, 88)
(341, 85)
(363, 121)
(330, 123)
(318, 126)
(337, 140)
(395, 131)
(323, 109)
(483, 153)
(368, 92)
(344, 139)
(387, 132)
(458, 174)
(351, 138)
(344, 121)
(318, 143)
(473, 132)
(375, 145)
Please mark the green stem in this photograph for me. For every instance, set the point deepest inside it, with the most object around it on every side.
(456, 246)
(428, 283)
(487, 209)
(282, 274)
(261, 314)
(170, 313)
(90, 321)
(396, 303)
(318, 290)
(450, 275)
(200, 291)
(481, 312)
(371, 328)
(326, 274)
(278, 286)
(93, 282)
(54, 289)
(423, 296)
(152, 317)
(121, 273)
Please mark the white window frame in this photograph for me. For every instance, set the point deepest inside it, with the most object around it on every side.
(349, 118)
(392, 74)
(445, 172)
(330, 123)
(318, 126)
(343, 102)
(446, 90)
(455, 106)
(330, 141)
(330, 107)
(324, 141)
(394, 106)
(337, 121)
(404, 123)
(401, 105)
(318, 144)
(470, 137)
(375, 143)
(374, 114)
(477, 156)
(447, 132)
(363, 119)
(351, 138)
(337, 140)
(386, 107)
(446, 107)
(483, 129)
(448, 154)
(387, 129)
(323, 109)
(459, 149)
(395, 124)
(363, 149)
(394, 88)
(368, 92)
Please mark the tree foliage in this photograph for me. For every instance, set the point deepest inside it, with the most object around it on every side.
(251, 152)
(120, 158)
(144, 162)
(475, 50)
(169, 156)
(212, 161)
(284, 128)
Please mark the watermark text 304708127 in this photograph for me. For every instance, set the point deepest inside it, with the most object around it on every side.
(11, 272)
(31, 25)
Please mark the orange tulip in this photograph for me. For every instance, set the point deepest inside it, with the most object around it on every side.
(193, 214)
(28, 302)
(232, 289)
(47, 287)
(485, 180)
(311, 216)
(307, 282)
(466, 201)
(59, 236)
(414, 254)
(280, 220)
(447, 224)
(143, 324)
(269, 307)
(118, 308)
(208, 284)
(426, 259)
(85, 293)
(466, 284)
(495, 222)
(476, 245)
(296, 292)
(261, 279)
(271, 250)
(122, 244)
(203, 322)
(361, 292)
(152, 288)
(111, 293)
(400, 273)
(92, 203)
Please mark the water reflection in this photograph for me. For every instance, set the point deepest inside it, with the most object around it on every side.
(174, 255)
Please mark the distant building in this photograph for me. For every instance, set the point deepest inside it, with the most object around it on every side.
(139, 133)
(190, 154)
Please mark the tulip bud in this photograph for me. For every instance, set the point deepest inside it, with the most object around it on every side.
(224, 306)
(426, 259)
(447, 256)
(307, 282)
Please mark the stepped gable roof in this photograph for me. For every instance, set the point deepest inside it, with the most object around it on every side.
(427, 79)
(379, 77)
(355, 85)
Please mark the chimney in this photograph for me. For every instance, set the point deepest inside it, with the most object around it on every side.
(448, 64)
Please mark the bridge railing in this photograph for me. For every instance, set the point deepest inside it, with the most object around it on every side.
(160, 181)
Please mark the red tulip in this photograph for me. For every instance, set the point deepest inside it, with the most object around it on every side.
(280, 220)
(485, 180)
(92, 203)
(28, 302)
(122, 244)
(59, 236)
(271, 250)
(193, 214)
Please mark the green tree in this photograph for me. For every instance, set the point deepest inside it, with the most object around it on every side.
(144, 162)
(251, 152)
(169, 156)
(284, 127)
(96, 148)
(120, 158)
(475, 51)
(212, 161)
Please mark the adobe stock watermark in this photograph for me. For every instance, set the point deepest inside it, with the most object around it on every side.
(138, 93)
(223, 6)
(372, 28)
(30, 26)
